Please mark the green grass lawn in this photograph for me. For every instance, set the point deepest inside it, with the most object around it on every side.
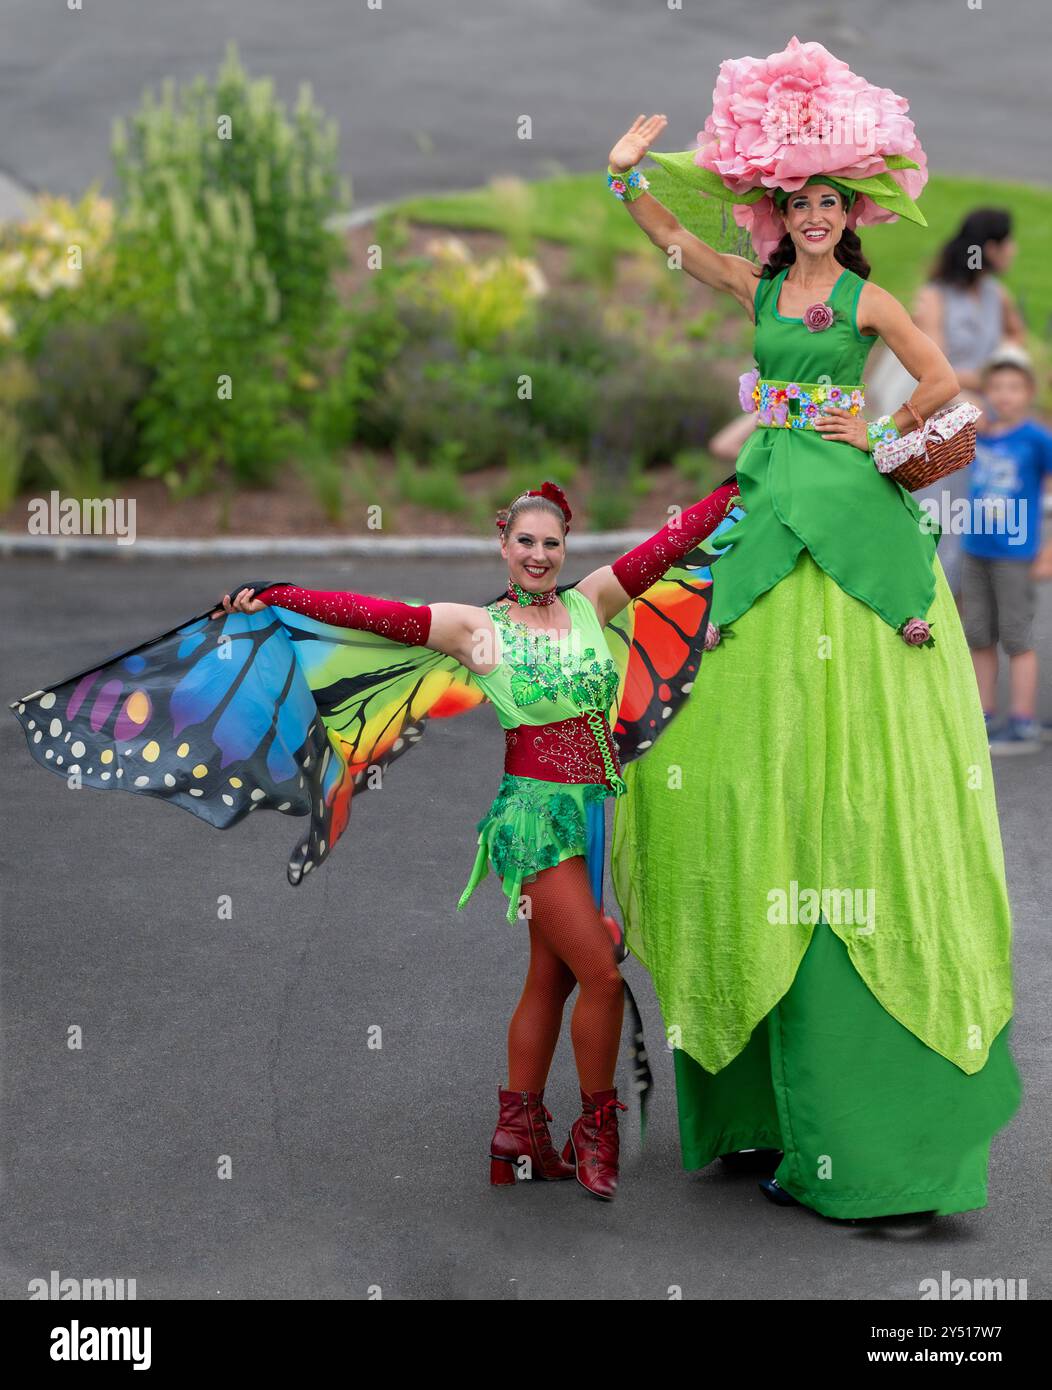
(577, 209)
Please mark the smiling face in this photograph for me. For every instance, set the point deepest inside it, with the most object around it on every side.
(815, 218)
(535, 548)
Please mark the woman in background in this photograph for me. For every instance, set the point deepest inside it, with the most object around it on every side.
(966, 310)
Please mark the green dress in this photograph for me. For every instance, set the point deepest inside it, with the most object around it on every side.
(534, 824)
(811, 867)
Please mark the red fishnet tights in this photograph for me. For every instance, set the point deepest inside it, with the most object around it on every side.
(568, 946)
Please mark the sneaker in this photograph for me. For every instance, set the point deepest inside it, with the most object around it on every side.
(1020, 736)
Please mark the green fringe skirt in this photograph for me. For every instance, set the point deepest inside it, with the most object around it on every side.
(532, 825)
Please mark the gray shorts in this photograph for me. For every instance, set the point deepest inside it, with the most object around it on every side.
(998, 602)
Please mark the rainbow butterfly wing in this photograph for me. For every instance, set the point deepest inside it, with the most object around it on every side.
(373, 696)
(216, 722)
(657, 644)
(229, 715)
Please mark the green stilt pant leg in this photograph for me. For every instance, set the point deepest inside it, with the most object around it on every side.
(872, 1122)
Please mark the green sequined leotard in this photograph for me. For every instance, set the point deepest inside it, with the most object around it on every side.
(533, 824)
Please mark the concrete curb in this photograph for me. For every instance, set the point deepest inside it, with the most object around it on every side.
(169, 547)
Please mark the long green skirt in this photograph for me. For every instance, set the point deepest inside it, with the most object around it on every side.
(871, 1121)
(819, 757)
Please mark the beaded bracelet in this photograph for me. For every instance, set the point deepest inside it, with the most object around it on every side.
(882, 431)
(626, 187)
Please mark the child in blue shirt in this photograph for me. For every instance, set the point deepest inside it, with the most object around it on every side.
(998, 594)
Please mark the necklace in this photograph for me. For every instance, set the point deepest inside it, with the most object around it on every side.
(524, 597)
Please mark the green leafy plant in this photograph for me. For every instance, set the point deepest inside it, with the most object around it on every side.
(90, 380)
(233, 136)
(17, 387)
(56, 266)
(219, 393)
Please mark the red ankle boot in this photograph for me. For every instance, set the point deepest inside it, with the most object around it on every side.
(522, 1132)
(593, 1145)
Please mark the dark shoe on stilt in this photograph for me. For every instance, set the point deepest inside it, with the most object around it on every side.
(594, 1143)
(522, 1132)
(775, 1192)
(752, 1160)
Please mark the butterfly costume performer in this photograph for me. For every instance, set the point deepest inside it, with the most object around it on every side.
(822, 906)
(302, 705)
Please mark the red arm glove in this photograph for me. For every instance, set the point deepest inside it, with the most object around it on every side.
(401, 622)
(645, 565)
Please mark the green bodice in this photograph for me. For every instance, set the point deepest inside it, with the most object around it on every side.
(800, 489)
(539, 681)
(533, 824)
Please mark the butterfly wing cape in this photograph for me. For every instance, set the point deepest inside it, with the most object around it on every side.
(234, 714)
(275, 710)
(657, 643)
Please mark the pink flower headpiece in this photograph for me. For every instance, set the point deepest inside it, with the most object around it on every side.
(779, 121)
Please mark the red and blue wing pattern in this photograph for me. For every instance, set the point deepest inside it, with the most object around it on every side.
(657, 642)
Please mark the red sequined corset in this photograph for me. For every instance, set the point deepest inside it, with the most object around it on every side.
(569, 750)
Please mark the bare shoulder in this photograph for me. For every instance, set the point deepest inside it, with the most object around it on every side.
(456, 627)
(877, 308)
(603, 592)
(589, 586)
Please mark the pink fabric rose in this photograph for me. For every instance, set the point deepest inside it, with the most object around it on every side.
(712, 637)
(746, 386)
(777, 120)
(818, 317)
(915, 632)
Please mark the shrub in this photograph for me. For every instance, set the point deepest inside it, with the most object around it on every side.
(565, 399)
(16, 390)
(219, 393)
(56, 265)
(438, 401)
(663, 405)
(234, 137)
(90, 379)
(484, 300)
(436, 486)
(568, 330)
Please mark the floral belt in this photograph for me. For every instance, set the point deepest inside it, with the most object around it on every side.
(580, 749)
(798, 404)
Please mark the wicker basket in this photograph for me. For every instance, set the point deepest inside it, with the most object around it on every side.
(936, 457)
(940, 458)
